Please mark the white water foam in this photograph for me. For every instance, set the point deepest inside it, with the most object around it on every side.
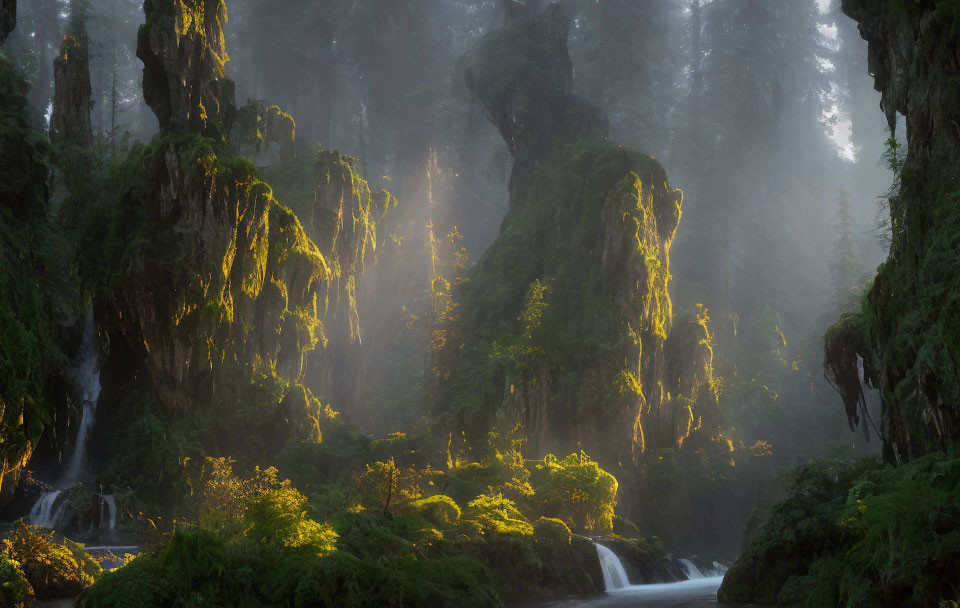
(42, 512)
(693, 573)
(614, 576)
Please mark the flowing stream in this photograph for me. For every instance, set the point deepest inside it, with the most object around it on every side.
(700, 591)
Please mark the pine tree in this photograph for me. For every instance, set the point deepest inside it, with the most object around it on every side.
(846, 269)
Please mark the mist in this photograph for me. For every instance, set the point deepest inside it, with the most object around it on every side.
(426, 301)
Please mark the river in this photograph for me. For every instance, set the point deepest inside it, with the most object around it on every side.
(697, 593)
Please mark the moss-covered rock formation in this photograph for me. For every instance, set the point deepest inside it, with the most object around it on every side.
(70, 121)
(220, 275)
(183, 51)
(908, 333)
(263, 133)
(212, 294)
(563, 323)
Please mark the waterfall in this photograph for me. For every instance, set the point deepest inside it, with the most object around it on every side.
(111, 506)
(85, 371)
(692, 571)
(42, 512)
(50, 510)
(614, 577)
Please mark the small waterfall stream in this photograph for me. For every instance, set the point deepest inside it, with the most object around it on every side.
(614, 576)
(692, 571)
(84, 371)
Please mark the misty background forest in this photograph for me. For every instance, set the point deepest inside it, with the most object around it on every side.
(479, 302)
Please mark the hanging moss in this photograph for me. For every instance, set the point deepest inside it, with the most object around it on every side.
(588, 232)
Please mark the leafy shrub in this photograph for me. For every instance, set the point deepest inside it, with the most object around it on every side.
(276, 519)
(439, 510)
(551, 531)
(864, 534)
(54, 570)
(575, 490)
(15, 589)
(497, 515)
(625, 528)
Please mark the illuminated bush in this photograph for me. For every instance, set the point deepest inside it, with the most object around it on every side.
(575, 490)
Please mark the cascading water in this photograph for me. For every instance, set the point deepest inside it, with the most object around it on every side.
(692, 571)
(110, 505)
(614, 576)
(84, 370)
(42, 512)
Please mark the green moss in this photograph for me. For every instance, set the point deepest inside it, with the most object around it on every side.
(857, 535)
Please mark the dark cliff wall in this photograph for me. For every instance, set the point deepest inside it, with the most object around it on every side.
(908, 333)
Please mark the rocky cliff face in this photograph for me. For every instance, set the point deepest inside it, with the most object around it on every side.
(70, 121)
(30, 361)
(215, 288)
(184, 53)
(564, 326)
(8, 18)
(908, 334)
(235, 283)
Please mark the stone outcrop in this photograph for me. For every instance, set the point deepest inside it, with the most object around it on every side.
(183, 51)
(563, 323)
(234, 282)
(223, 291)
(263, 133)
(908, 335)
(8, 18)
(70, 121)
